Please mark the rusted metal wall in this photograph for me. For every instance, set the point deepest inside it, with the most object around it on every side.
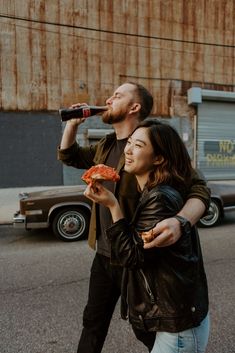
(57, 52)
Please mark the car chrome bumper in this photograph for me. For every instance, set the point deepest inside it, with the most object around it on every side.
(19, 220)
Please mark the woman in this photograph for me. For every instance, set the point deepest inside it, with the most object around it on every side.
(163, 289)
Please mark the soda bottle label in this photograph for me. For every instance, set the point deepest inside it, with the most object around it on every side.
(86, 112)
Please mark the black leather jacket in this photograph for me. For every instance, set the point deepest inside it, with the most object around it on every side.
(163, 289)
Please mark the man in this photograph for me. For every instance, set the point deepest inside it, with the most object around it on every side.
(129, 104)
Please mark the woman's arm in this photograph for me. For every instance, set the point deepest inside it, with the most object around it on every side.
(101, 195)
(126, 250)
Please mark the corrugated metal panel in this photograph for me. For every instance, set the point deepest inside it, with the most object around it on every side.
(46, 63)
(216, 140)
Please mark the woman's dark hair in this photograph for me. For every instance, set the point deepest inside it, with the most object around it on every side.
(175, 168)
(145, 99)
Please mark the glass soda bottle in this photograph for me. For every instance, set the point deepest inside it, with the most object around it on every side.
(83, 111)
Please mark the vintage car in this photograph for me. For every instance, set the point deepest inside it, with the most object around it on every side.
(67, 211)
(222, 201)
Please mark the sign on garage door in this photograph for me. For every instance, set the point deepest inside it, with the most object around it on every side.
(216, 140)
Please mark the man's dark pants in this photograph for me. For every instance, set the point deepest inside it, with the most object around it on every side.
(104, 292)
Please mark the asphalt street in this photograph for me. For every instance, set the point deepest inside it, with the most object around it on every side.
(43, 290)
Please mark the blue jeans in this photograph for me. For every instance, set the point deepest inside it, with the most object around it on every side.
(189, 341)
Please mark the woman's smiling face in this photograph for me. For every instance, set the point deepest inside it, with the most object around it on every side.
(139, 153)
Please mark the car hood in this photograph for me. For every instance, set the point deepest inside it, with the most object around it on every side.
(53, 192)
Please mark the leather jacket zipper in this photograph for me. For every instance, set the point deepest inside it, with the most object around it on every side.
(150, 293)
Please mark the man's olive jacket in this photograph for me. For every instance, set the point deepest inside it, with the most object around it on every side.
(126, 189)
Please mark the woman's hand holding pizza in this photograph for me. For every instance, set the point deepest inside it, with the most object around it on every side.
(95, 191)
(98, 193)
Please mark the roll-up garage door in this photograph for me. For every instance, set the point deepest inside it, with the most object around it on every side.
(216, 140)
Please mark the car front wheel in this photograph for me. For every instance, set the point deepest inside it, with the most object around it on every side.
(71, 224)
(213, 216)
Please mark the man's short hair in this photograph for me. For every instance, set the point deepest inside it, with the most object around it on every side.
(145, 99)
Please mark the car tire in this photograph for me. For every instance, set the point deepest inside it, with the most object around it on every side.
(71, 224)
(213, 216)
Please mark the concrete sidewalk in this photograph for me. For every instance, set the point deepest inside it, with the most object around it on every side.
(9, 201)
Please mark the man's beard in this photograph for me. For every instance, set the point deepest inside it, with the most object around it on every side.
(109, 118)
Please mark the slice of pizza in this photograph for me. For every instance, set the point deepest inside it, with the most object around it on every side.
(100, 172)
(147, 236)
